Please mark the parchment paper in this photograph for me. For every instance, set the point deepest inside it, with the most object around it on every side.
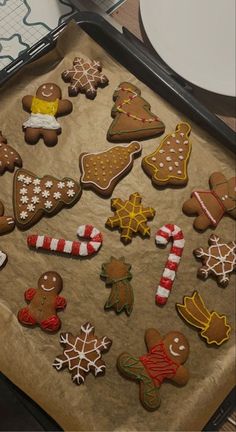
(26, 355)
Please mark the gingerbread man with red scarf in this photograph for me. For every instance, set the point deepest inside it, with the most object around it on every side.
(164, 360)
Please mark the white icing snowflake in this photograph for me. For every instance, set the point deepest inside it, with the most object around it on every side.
(45, 194)
(70, 184)
(36, 182)
(37, 190)
(48, 204)
(21, 177)
(23, 191)
(27, 180)
(57, 195)
(60, 185)
(48, 184)
(23, 215)
(24, 199)
(35, 199)
(30, 207)
(70, 192)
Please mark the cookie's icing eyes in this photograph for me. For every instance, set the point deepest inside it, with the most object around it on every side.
(45, 277)
(54, 279)
(176, 340)
(182, 348)
(51, 88)
(44, 87)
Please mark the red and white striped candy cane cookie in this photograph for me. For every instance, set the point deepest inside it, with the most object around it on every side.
(74, 248)
(163, 235)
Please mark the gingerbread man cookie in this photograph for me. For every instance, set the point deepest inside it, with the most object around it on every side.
(84, 77)
(43, 303)
(9, 158)
(164, 360)
(133, 119)
(167, 165)
(34, 197)
(212, 205)
(218, 260)
(83, 353)
(44, 108)
(7, 223)
(131, 217)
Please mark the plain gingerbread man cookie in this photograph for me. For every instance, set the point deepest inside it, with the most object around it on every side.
(44, 108)
(164, 360)
(43, 303)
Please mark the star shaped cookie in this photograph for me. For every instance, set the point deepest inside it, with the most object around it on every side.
(130, 217)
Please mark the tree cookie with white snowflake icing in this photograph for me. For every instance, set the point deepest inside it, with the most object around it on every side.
(218, 260)
(34, 197)
(84, 77)
(83, 353)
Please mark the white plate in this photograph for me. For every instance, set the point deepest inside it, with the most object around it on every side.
(196, 38)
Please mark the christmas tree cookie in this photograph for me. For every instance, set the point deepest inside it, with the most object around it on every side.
(132, 115)
(34, 197)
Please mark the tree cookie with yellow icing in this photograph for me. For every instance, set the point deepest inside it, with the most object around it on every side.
(167, 165)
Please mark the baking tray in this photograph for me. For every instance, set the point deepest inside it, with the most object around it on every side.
(132, 54)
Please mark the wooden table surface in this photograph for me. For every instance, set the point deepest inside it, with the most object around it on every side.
(128, 15)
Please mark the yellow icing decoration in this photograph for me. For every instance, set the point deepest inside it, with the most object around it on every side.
(40, 106)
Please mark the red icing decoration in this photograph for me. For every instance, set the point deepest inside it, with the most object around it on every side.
(51, 324)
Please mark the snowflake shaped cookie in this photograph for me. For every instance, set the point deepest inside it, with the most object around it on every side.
(219, 260)
(130, 216)
(84, 77)
(82, 353)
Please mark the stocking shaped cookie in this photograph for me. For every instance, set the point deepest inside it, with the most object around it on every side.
(84, 77)
(218, 260)
(167, 165)
(7, 223)
(132, 115)
(211, 205)
(101, 171)
(9, 158)
(83, 353)
(43, 303)
(34, 197)
(117, 274)
(44, 108)
(164, 360)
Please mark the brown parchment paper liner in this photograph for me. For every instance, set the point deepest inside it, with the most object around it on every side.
(110, 402)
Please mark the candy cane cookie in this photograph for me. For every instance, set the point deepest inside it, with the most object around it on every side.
(163, 236)
(73, 248)
(3, 259)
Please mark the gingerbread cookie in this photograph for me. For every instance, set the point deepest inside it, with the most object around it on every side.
(218, 260)
(132, 115)
(130, 217)
(83, 353)
(117, 274)
(3, 259)
(43, 303)
(84, 77)
(214, 327)
(73, 248)
(212, 205)
(9, 158)
(44, 108)
(34, 197)
(167, 165)
(7, 223)
(164, 360)
(101, 171)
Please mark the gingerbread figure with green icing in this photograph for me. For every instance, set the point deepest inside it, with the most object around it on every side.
(117, 274)
(44, 107)
(164, 360)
